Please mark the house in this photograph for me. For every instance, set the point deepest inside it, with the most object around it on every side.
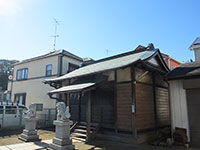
(196, 48)
(184, 84)
(171, 62)
(26, 86)
(125, 93)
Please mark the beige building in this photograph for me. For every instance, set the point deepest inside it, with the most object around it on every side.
(27, 86)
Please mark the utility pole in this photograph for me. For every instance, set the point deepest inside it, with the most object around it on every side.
(55, 34)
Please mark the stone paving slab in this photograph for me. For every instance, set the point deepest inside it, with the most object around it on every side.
(4, 148)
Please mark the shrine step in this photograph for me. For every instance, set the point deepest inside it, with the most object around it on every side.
(80, 132)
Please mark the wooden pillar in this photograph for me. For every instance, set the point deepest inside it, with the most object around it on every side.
(79, 107)
(115, 101)
(88, 115)
(154, 99)
(66, 99)
(133, 97)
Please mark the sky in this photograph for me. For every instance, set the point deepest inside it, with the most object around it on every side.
(97, 28)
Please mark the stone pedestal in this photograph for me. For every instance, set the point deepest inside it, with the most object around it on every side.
(62, 141)
(30, 132)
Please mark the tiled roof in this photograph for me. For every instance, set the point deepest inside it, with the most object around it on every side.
(72, 88)
(108, 64)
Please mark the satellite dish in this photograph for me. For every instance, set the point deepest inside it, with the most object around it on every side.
(10, 77)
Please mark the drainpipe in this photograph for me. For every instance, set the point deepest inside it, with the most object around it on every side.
(60, 62)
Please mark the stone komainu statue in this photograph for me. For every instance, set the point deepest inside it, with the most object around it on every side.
(62, 111)
(31, 112)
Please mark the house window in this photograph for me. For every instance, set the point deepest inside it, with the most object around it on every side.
(48, 70)
(39, 107)
(20, 98)
(22, 74)
(72, 67)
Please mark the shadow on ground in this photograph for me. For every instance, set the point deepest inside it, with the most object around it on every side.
(10, 136)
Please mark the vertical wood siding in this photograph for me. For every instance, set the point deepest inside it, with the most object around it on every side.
(73, 100)
(102, 107)
(162, 106)
(124, 106)
(145, 117)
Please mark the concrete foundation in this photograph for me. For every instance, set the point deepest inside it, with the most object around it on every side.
(62, 141)
(30, 132)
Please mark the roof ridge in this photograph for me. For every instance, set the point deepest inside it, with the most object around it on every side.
(118, 55)
(52, 53)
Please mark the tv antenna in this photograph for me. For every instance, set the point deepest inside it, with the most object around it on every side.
(55, 34)
(107, 51)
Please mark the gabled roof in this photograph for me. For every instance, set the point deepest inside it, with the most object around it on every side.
(196, 42)
(109, 63)
(186, 70)
(54, 53)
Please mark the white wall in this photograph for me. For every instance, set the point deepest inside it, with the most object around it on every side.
(35, 89)
(38, 68)
(36, 92)
(178, 102)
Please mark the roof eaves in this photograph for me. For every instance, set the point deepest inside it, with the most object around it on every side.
(68, 54)
(37, 58)
(162, 60)
(182, 77)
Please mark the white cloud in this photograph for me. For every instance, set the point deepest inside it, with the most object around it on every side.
(9, 7)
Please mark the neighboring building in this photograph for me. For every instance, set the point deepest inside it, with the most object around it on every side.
(124, 94)
(184, 84)
(26, 87)
(171, 62)
(196, 48)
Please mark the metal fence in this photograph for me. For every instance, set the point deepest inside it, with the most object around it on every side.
(46, 117)
(14, 117)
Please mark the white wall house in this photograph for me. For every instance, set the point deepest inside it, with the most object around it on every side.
(196, 48)
(184, 83)
(27, 85)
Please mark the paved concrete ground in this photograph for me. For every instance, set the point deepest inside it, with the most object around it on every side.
(100, 145)
(9, 141)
